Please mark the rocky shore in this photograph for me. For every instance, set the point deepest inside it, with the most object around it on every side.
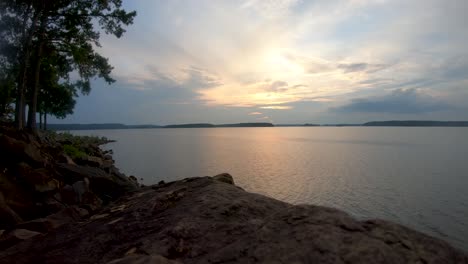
(65, 202)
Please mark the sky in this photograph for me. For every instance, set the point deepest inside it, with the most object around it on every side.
(284, 61)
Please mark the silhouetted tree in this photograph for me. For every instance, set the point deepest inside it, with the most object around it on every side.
(68, 31)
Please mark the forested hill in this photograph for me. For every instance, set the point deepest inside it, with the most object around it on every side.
(64, 127)
(411, 123)
(202, 125)
(96, 126)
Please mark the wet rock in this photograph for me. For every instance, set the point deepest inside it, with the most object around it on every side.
(203, 220)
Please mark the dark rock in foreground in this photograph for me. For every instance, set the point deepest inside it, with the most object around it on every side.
(209, 220)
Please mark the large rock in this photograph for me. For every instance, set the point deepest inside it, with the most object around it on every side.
(107, 186)
(90, 161)
(15, 236)
(7, 215)
(54, 221)
(202, 220)
(13, 150)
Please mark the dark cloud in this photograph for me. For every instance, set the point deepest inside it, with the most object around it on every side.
(402, 101)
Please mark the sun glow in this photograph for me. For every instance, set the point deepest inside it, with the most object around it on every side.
(277, 64)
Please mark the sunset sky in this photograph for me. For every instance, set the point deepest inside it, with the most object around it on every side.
(285, 61)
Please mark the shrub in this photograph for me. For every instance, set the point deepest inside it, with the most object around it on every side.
(73, 152)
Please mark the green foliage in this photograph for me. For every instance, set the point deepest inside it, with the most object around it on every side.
(80, 140)
(73, 152)
(67, 32)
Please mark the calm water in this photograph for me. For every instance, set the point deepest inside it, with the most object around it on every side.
(414, 176)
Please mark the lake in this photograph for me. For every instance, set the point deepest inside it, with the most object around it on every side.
(413, 176)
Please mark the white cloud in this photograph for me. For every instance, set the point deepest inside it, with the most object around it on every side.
(273, 54)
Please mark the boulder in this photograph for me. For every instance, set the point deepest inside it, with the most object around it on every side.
(11, 238)
(203, 220)
(7, 215)
(64, 158)
(143, 259)
(67, 195)
(108, 157)
(15, 150)
(15, 198)
(107, 186)
(91, 161)
(224, 177)
(53, 221)
(91, 202)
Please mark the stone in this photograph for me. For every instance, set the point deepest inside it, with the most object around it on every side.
(133, 179)
(94, 161)
(91, 202)
(107, 186)
(91, 161)
(53, 221)
(68, 195)
(81, 187)
(64, 158)
(202, 220)
(15, 236)
(53, 204)
(108, 157)
(224, 177)
(13, 150)
(48, 186)
(7, 215)
(143, 259)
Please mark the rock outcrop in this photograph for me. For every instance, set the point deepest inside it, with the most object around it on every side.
(40, 185)
(210, 220)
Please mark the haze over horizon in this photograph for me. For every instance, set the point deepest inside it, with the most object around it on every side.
(284, 61)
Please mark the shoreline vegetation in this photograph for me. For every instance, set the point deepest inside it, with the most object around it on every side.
(393, 123)
(59, 192)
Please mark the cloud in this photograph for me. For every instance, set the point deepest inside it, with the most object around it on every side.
(255, 113)
(277, 107)
(360, 67)
(277, 86)
(199, 55)
(403, 101)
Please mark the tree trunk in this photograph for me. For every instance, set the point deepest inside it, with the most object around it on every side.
(33, 103)
(45, 120)
(20, 106)
(40, 120)
(37, 70)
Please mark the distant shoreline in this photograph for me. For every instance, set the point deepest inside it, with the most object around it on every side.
(393, 123)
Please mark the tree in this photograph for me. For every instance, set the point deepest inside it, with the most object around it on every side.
(69, 30)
